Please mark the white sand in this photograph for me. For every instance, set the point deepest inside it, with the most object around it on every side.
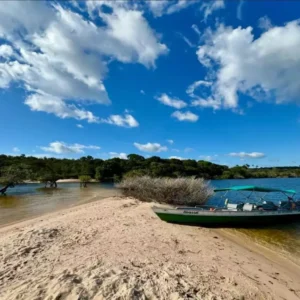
(118, 249)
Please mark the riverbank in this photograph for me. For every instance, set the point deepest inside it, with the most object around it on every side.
(117, 248)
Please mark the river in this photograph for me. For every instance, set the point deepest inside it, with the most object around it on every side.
(27, 201)
(31, 200)
(284, 239)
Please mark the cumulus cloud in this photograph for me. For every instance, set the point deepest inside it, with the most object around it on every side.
(15, 149)
(150, 147)
(171, 142)
(60, 57)
(118, 120)
(247, 155)
(79, 125)
(173, 102)
(6, 51)
(142, 92)
(61, 147)
(185, 116)
(121, 155)
(264, 68)
(54, 105)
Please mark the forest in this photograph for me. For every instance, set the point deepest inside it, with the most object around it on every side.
(15, 169)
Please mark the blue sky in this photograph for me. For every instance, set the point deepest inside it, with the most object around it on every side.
(207, 80)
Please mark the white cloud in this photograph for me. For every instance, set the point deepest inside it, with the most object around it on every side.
(196, 29)
(161, 7)
(142, 92)
(58, 107)
(118, 120)
(6, 51)
(264, 68)
(79, 125)
(208, 7)
(191, 88)
(247, 155)
(239, 10)
(177, 157)
(173, 102)
(158, 7)
(209, 157)
(63, 57)
(264, 23)
(208, 102)
(189, 43)
(181, 4)
(185, 116)
(188, 149)
(61, 147)
(16, 149)
(202, 86)
(171, 142)
(150, 147)
(121, 155)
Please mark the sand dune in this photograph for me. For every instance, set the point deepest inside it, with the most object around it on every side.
(118, 249)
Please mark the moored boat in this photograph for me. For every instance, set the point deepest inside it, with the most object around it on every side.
(253, 212)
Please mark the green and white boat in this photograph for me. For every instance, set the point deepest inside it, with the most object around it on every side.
(253, 211)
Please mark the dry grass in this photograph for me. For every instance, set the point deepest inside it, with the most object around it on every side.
(175, 191)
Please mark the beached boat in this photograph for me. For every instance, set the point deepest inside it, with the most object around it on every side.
(252, 211)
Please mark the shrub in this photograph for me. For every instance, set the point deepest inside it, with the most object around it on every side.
(84, 179)
(176, 191)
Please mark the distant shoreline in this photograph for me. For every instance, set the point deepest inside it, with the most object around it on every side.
(69, 180)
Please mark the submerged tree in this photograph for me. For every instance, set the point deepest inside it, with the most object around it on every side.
(13, 175)
(84, 179)
(49, 180)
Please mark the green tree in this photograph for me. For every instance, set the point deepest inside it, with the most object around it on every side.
(84, 180)
(109, 169)
(13, 175)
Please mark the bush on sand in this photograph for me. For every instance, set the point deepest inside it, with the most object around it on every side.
(174, 191)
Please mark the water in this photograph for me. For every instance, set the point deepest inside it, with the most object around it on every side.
(285, 238)
(27, 201)
(31, 200)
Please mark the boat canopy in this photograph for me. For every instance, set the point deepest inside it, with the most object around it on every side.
(254, 188)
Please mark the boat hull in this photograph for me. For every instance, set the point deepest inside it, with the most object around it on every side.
(226, 219)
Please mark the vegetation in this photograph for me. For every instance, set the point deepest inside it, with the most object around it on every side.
(84, 179)
(16, 169)
(177, 191)
(13, 175)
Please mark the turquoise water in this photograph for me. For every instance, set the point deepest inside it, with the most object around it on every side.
(285, 238)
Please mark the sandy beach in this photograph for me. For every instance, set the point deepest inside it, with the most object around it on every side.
(117, 248)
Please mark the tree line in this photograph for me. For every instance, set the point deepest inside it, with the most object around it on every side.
(14, 169)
